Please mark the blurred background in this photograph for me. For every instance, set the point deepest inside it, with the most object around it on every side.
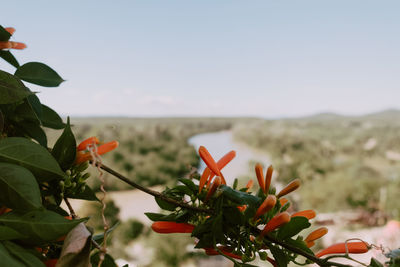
(309, 86)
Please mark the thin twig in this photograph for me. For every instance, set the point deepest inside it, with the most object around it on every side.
(152, 192)
(71, 210)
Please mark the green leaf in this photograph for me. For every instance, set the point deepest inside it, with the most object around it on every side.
(300, 244)
(7, 259)
(189, 184)
(7, 56)
(18, 188)
(108, 260)
(35, 104)
(23, 255)
(295, 226)
(279, 256)
(32, 156)
(182, 190)
(4, 35)
(87, 194)
(165, 205)
(100, 237)
(39, 225)
(64, 150)
(51, 119)
(39, 73)
(34, 131)
(217, 228)
(375, 263)
(154, 216)
(238, 196)
(12, 89)
(7, 233)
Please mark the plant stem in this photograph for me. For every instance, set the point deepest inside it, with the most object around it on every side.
(152, 192)
(71, 210)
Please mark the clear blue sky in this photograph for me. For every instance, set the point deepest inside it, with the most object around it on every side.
(220, 58)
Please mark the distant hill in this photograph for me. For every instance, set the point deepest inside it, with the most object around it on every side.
(389, 115)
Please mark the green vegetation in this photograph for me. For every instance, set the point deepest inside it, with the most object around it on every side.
(152, 151)
(344, 162)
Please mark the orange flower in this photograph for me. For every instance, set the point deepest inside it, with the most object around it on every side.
(277, 221)
(249, 185)
(283, 201)
(310, 244)
(102, 149)
(214, 186)
(289, 188)
(260, 176)
(309, 214)
(163, 227)
(242, 208)
(51, 263)
(88, 143)
(4, 210)
(318, 233)
(340, 248)
(208, 174)
(11, 44)
(266, 206)
(268, 177)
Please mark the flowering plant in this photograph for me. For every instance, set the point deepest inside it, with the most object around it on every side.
(237, 223)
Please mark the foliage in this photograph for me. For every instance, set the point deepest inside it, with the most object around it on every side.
(34, 178)
(359, 153)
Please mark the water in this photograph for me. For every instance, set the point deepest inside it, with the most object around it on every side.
(220, 143)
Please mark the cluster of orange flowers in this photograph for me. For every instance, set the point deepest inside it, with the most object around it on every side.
(11, 44)
(85, 147)
(212, 178)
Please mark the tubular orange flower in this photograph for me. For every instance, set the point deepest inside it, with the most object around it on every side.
(242, 208)
(208, 174)
(163, 227)
(204, 178)
(51, 263)
(222, 162)
(209, 161)
(214, 186)
(11, 44)
(10, 30)
(249, 185)
(266, 206)
(293, 185)
(310, 244)
(260, 176)
(277, 221)
(102, 149)
(340, 248)
(283, 201)
(318, 233)
(309, 214)
(225, 250)
(4, 210)
(88, 143)
(268, 177)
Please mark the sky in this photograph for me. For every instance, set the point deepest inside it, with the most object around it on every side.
(212, 57)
